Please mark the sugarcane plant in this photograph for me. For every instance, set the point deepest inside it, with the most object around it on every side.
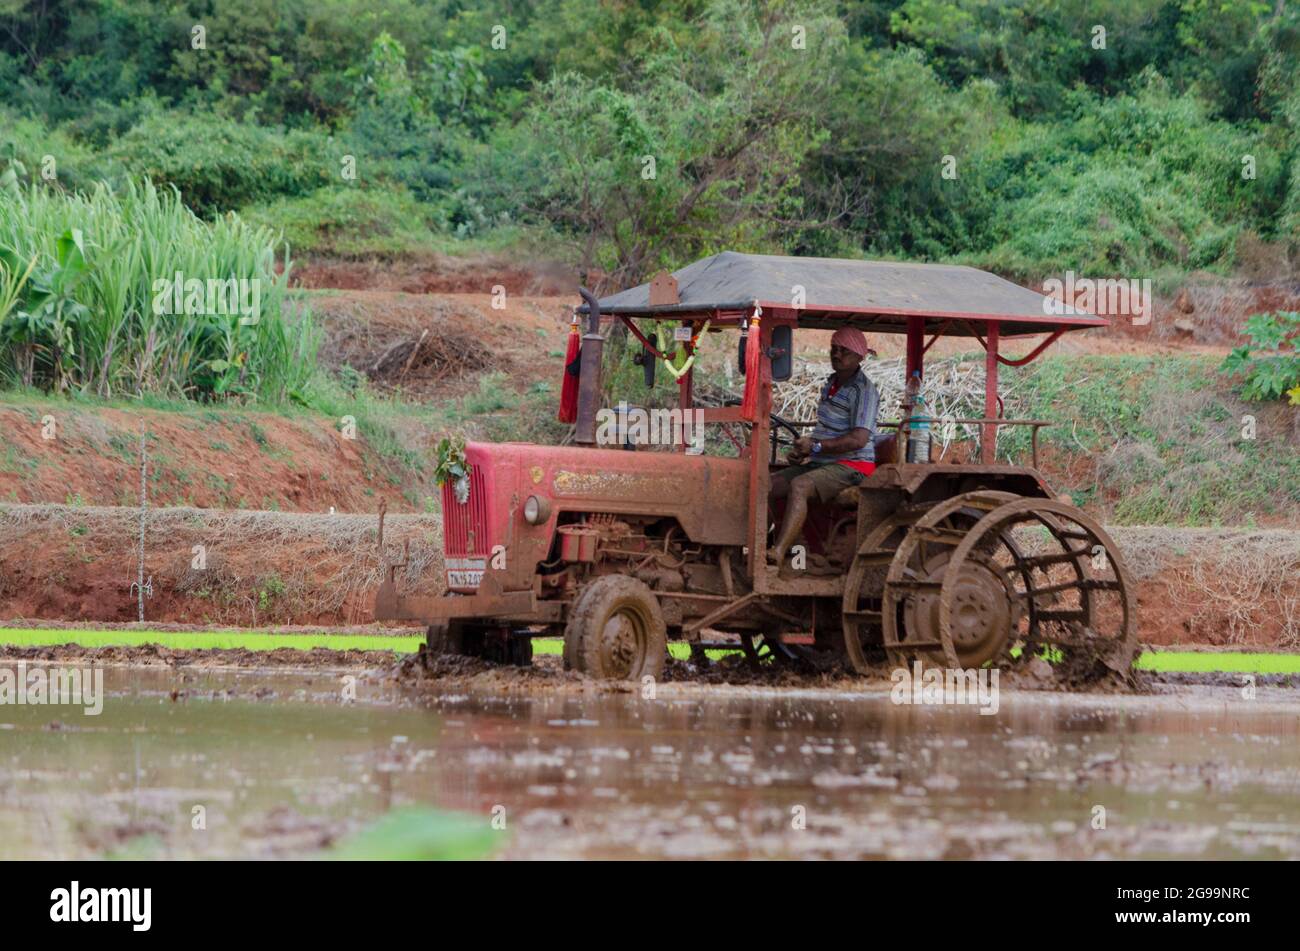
(39, 314)
(86, 299)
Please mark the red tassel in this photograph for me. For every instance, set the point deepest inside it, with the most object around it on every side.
(572, 367)
(753, 353)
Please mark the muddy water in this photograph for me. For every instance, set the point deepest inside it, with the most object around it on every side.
(282, 766)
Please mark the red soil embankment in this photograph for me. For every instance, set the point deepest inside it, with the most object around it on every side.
(1194, 586)
(66, 453)
(242, 568)
(438, 275)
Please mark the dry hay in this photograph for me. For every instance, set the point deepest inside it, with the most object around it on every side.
(1227, 581)
(261, 567)
(428, 358)
(953, 389)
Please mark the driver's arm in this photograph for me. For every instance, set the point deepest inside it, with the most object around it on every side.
(853, 439)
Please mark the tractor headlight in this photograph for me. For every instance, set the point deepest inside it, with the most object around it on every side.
(536, 510)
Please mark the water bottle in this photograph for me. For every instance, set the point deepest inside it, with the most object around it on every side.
(918, 428)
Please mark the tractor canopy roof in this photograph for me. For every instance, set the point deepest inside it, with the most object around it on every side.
(879, 296)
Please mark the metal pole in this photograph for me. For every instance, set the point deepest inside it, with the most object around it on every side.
(759, 476)
(989, 434)
(143, 505)
(686, 395)
(915, 345)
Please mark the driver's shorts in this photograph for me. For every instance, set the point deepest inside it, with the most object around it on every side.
(828, 478)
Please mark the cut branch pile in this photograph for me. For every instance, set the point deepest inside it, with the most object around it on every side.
(953, 389)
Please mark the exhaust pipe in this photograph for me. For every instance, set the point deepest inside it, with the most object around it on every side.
(593, 346)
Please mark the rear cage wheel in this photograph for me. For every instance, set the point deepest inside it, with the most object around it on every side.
(958, 591)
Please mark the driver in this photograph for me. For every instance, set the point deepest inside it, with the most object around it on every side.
(840, 451)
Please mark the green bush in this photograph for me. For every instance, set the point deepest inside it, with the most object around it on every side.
(1134, 184)
(28, 141)
(702, 152)
(350, 221)
(219, 164)
(1270, 363)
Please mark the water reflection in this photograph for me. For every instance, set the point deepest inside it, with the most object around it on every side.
(280, 766)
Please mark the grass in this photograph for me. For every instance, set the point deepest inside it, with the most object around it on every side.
(386, 222)
(207, 640)
(349, 222)
(1164, 661)
(1167, 436)
(1228, 662)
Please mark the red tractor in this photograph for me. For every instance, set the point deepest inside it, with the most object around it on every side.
(950, 565)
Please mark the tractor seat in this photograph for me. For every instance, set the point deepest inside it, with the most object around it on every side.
(847, 499)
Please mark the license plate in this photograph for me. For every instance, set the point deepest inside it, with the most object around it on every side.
(465, 572)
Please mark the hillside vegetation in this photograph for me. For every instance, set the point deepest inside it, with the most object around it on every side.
(141, 140)
(1144, 137)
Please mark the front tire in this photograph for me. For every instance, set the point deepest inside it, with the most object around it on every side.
(454, 638)
(617, 631)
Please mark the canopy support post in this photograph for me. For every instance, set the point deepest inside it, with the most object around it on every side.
(989, 434)
(686, 397)
(915, 345)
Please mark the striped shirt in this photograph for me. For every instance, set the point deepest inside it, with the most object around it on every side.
(852, 406)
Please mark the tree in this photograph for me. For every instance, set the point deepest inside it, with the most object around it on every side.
(701, 151)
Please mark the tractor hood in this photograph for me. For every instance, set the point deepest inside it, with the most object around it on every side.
(708, 496)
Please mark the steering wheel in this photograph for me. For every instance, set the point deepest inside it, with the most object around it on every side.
(778, 423)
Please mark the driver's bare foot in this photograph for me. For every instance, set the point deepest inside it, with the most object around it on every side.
(821, 567)
(774, 557)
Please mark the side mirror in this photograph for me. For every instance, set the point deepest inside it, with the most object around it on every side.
(647, 361)
(782, 353)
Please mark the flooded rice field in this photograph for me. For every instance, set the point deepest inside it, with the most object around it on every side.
(279, 763)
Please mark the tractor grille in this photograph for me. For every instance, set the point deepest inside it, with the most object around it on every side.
(465, 526)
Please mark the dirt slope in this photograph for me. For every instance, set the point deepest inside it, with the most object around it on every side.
(207, 459)
(74, 563)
